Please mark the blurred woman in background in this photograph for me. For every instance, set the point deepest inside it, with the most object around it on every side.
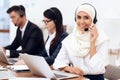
(54, 24)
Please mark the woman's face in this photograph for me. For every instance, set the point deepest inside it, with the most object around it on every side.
(50, 25)
(83, 20)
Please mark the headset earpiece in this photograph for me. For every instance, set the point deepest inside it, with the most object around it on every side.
(54, 14)
(21, 12)
(95, 18)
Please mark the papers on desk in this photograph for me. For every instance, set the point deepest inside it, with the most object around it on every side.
(2, 68)
(6, 75)
(30, 79)
(18, 68)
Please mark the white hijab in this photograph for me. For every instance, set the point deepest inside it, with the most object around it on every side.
(77, 43)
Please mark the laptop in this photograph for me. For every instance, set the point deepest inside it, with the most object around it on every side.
(39, 66)
(5, 59)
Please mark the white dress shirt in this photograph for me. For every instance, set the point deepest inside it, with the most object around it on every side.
(94, 65)
(47, 45)
(22, 30)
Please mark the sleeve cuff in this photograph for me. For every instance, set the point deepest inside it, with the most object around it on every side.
(59, 65)
(8, 53)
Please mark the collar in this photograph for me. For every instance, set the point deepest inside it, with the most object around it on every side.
(52, 35)
(24, 27)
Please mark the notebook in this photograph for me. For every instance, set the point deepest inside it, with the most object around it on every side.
(3, 58)
(18, 68)
(5, 75)
(39, 66)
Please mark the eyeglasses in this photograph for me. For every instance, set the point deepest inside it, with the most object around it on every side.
(46, 21)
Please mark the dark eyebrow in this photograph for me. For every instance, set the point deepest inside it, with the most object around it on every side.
(87, 17)
(78, 16)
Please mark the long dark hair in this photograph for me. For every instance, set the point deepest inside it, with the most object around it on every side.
(55, 15)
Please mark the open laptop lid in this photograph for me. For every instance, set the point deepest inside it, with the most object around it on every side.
(39, 66)
(3, 57)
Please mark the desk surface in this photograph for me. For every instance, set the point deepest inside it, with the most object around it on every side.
(30, 75)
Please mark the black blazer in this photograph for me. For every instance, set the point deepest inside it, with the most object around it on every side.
(32, 41)
(53, 50)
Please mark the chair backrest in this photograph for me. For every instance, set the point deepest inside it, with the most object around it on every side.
(69, 28)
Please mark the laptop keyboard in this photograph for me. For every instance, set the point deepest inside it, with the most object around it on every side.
(59, 76)
(12, 60)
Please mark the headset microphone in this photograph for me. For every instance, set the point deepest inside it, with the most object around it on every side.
(86, 29)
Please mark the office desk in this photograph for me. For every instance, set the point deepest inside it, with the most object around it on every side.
(30, 75)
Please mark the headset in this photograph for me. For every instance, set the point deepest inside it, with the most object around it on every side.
(95, 18)
(21, 11)
(53, 13)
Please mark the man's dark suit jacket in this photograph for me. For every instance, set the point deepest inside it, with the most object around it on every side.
(53, 50)
(32, 41)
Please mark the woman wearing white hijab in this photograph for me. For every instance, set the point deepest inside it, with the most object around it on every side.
(86, 48)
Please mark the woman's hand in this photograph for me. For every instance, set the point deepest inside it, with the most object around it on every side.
(93, 37)
(93, 33)
(74, 70)
(20, 62)
(4, 50)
